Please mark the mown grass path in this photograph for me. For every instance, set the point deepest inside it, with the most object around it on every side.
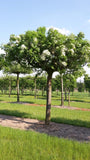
(54, 129)
(55, 106)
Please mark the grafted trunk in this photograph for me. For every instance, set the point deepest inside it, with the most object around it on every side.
(17, 87)
(48, 105)
(62, 95)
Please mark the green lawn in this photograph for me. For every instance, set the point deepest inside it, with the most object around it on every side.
(75, 117)
(27, 145)
(80, 100)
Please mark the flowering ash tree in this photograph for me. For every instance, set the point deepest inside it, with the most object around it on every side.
(51, 51)
(14, 62)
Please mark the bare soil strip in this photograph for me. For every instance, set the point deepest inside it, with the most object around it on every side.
(54, 129)
(62, 107)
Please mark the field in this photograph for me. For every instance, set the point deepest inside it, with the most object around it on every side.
(27, 145)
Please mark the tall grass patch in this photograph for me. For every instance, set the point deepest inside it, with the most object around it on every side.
(28, 145)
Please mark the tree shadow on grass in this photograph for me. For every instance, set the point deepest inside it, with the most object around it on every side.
(75, 122)
(79, 101)
(62, 130)
(54, 129)
(22, 102)
(15, 113)
(1, 100)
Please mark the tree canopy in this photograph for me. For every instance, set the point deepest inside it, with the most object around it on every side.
(49, 51)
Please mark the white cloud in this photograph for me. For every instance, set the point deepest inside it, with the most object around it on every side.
(89, 21)
(61, 30)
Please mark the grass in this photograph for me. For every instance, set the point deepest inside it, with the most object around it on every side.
(75, 117)
(27, 145)
(78, 100)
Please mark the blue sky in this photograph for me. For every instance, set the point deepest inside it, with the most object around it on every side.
(18, 16)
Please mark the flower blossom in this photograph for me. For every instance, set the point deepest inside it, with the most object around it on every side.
(63, 49)
(45, 54)
(64, 64)
(23, 47)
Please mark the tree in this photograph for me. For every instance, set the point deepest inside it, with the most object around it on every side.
(4, 83)
(51, 51)
(87, 83)
(69, 84)
(44, 52)
(13, 59)
(41, 83)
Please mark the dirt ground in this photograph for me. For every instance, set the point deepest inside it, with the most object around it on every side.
(54, 129)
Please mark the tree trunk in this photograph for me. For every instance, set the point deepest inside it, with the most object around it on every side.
(69, 99)
(65, 94)
(2, 91)
(62, 95)
(35, 90)
(22, 91)
(17, 87)
(48, 105)
(42, 91)
(57, 91)
(9, 88)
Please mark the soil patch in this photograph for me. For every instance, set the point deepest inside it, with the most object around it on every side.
(54, 129)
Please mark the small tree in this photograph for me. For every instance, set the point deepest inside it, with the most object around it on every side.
(87, 83)
(14, 62)
(51, 51)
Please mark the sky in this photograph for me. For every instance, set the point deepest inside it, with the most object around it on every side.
(18, 16)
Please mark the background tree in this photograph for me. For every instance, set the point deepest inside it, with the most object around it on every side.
(87, 83)
(69, 85)
(56, 84)
(41, 83)
(80, 86)
(13, 58)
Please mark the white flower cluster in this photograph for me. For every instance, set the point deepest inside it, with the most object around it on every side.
(86, 49)
(55, 41)
(12, 45)
(35, 39)
(18, 39)
(45, 54)
(72, 46)
(78, 44)
(23, 47)
(13, 36)
(63, 49)
(64, 64)
(71, 51)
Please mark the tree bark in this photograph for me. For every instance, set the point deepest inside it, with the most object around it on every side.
(42, 91)
(69, 99)
(48, 105)
(9, 88)
(62, 95)
(35, 90)
(17, 87)
(65, 94)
